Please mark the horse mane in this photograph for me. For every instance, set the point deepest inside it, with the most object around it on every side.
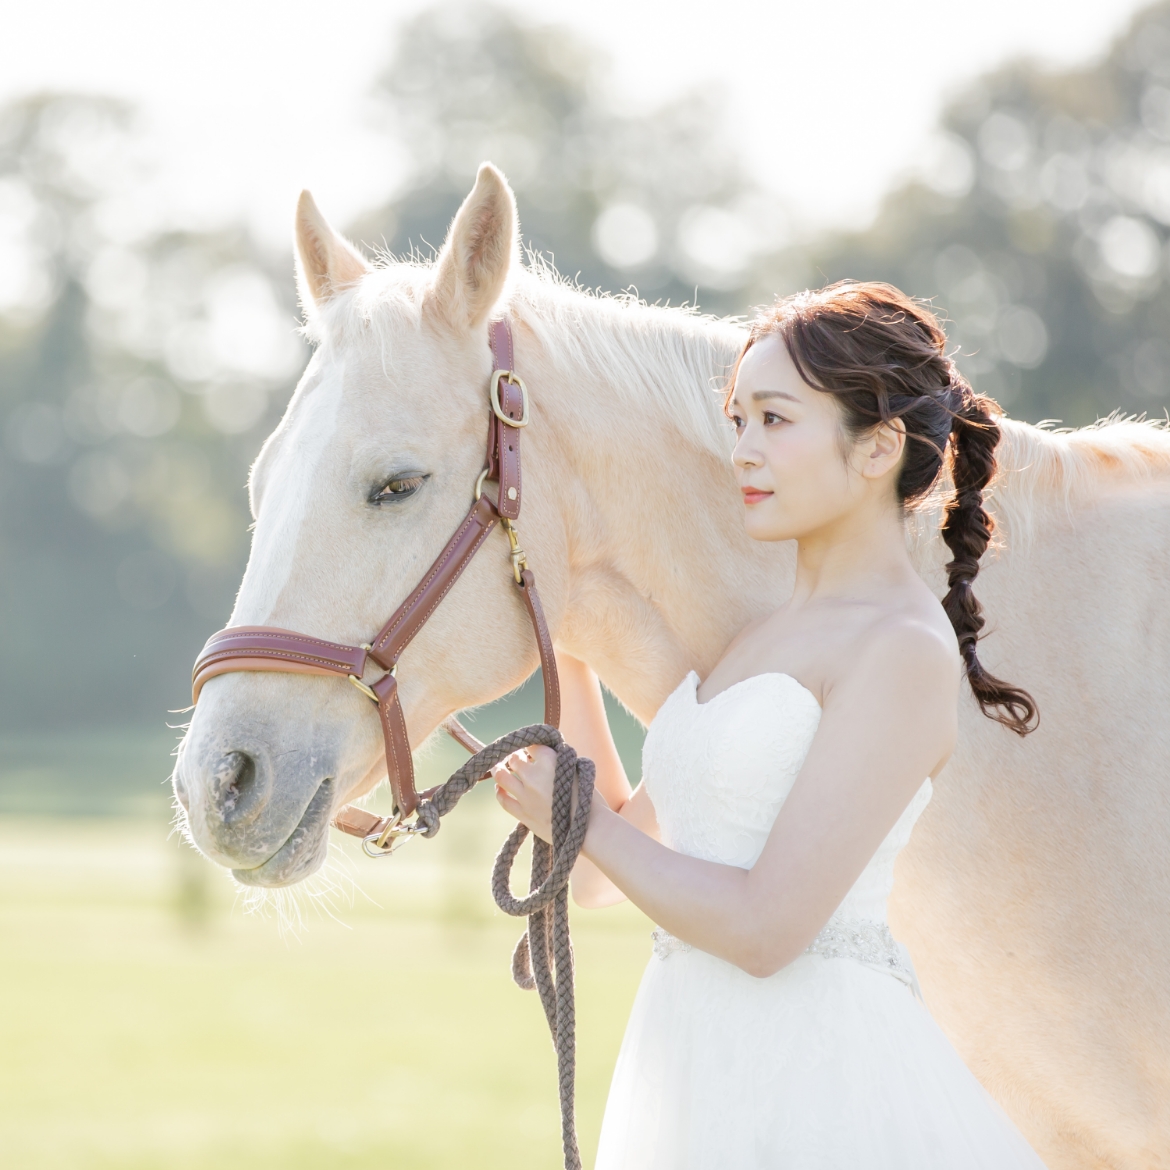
(1041, 465)
(672, 358)
(675, 360)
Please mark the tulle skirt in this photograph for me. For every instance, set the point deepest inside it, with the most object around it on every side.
(827, 1065)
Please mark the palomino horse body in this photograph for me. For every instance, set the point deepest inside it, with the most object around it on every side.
(1035, 896)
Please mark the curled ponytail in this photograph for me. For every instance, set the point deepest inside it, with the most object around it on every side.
(967, 530)
(883, 356)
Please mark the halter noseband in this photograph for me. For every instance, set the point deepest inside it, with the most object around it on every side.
(269, 648)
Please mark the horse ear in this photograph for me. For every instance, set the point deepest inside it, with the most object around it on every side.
(480, 249)
(328, 263)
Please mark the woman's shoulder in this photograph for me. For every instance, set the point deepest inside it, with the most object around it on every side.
(925, 637)
(898, 685)
(912, 645)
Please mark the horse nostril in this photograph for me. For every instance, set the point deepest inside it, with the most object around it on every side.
(234, 784)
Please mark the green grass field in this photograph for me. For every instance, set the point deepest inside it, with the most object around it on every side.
(147, 1019)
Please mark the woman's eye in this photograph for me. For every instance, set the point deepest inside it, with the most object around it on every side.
(737, 422)
(770, 418)
(398, 489)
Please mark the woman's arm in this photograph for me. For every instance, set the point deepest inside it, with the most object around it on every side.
(884, 729)
(584, 725)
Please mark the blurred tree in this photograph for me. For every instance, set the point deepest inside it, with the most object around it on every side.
(138, 371)
(658, 201)
(1038, 223)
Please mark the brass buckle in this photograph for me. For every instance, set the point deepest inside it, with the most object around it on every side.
(494, 394)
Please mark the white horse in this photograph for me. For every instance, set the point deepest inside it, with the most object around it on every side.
(1035, 895)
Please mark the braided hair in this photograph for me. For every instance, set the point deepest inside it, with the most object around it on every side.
(883, 356)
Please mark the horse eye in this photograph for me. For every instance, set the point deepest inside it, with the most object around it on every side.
(398, 488)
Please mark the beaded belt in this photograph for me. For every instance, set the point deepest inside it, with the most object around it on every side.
(863, 941)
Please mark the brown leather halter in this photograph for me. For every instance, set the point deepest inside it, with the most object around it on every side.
(269, 648)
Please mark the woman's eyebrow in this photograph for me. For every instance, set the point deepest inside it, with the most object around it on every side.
(760, 395)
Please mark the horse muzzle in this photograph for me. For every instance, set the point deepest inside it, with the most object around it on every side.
(262, 813)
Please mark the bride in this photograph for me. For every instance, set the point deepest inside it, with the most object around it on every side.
(777, 1025)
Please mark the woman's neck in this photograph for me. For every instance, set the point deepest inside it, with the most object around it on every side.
(853, 556)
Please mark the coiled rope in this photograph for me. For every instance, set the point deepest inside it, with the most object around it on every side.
(543, 957)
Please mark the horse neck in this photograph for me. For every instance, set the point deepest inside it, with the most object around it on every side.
(660, 573)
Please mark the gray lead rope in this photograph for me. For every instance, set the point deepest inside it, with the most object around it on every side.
(544, 955)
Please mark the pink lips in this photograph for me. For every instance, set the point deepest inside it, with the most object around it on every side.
(754, 496)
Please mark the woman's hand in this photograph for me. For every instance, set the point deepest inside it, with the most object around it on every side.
(524, 785)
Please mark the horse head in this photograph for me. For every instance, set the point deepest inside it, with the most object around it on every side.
(369, 472)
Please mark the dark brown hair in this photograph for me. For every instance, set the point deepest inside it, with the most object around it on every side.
(882, 355)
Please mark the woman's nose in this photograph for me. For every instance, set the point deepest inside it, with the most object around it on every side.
(745, 454)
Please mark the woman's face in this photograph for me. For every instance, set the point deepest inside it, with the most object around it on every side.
(798, 471)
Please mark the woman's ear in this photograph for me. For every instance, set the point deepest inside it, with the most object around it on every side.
(881, 451)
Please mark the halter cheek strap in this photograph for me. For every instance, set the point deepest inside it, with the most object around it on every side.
(269, 648)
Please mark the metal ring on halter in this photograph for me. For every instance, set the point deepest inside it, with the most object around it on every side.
(479, 483)
(361, 686)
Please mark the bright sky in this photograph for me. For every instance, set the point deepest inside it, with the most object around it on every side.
(248, 101)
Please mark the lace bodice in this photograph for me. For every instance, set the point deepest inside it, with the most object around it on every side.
(719, 772)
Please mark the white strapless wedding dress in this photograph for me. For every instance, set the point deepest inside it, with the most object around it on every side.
(830, 1064)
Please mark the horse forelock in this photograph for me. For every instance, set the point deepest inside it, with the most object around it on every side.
(386, 299)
